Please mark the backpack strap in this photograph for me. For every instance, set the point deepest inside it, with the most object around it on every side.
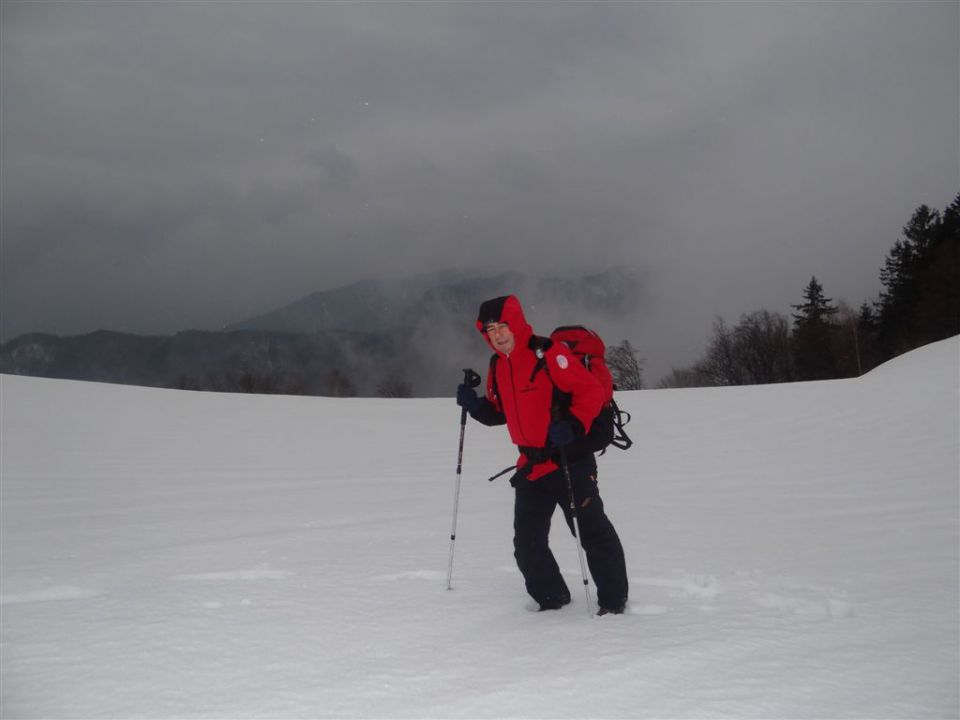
(620, 418)
(492, 372)
(540, 345)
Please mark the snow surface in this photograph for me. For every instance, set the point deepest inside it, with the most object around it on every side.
(792, 551)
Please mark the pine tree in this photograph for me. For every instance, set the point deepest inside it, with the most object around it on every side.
(900, 278)
(813, 347)
(816, 309)
(937, 312)
(868, 327)
(920, 302)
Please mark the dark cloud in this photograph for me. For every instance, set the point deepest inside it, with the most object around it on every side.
(172, 165)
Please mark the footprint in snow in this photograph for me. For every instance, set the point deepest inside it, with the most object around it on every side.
(647, 609)
(683, 585)
(814, 605)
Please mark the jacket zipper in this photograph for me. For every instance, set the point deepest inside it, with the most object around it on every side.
(516, 404)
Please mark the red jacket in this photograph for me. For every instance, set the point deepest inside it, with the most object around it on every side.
(524, 393)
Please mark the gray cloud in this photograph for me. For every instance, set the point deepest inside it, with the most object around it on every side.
(173, 165)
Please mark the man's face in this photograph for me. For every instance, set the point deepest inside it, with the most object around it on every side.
(501, 337)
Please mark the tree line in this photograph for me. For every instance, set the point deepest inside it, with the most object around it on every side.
(919, 303)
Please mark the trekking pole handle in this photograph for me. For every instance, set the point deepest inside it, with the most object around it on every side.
(502, 472)
(471, 379)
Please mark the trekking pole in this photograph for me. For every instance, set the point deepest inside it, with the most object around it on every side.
(470, 379)
(576, 527)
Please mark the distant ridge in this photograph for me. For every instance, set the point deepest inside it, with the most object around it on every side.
(413, 334)
(378, 306)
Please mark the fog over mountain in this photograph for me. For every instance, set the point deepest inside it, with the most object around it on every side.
(419, 330)
(431, 316)
(451, 298)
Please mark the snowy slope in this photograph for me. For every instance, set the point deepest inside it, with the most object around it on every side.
(792, 549)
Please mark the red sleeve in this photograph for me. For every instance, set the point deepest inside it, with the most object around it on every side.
(572, 377)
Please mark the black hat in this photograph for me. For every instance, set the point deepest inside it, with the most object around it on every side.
(491, 311)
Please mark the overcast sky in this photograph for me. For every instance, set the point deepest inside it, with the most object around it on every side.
(173, 165)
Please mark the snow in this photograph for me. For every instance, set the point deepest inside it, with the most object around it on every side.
(792, 550)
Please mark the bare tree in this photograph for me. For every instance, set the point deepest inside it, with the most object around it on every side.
(754, 352)
(845, 342)
(394, 386)
(339, 385)
(720, 365)
(187, 382)
(685, 378)
(255, 383)
(762, 348)
(625, 366)
(296, 385)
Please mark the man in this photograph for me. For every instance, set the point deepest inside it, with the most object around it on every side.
(548, 400)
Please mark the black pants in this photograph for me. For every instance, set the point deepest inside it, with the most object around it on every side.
(533, 509)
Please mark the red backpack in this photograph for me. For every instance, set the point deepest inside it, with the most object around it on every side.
(588, 347)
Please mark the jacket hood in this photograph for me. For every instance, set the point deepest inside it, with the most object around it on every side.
(505, 309)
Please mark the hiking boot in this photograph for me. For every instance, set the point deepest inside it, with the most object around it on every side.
(554, 603)
(610, 611)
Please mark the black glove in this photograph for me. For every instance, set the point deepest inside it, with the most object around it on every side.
(467, 398)
(564, 432)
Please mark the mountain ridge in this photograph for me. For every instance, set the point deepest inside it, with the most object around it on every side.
(412, 334)
(376, 305)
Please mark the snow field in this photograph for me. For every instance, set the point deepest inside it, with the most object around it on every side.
(792, 550)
